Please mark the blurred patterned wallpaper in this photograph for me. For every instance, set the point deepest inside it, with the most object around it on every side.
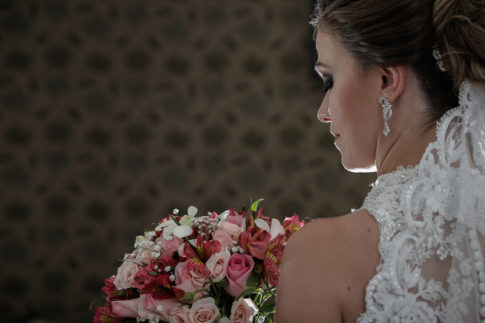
(112, 113)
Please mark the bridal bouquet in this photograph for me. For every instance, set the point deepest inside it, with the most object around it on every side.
(201, 269)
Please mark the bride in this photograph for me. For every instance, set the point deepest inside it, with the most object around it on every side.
(404, 84)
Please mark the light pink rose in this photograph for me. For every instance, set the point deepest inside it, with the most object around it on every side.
(232, 229)
(243, 311)
(237, 219)
(238, 269)
(183, 279)
(204, 311)
(217, 265)
(224, 239)
(128, 308)
(169, 247)
(149, 305)
(125, 277)
(179, 314)
(189, 280)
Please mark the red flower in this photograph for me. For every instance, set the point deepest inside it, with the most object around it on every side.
(105, 315)
(255, 241)
(155, 280)
(109, 287)
(271, 270)
(203, 250)
(292, 225)
(276, 247)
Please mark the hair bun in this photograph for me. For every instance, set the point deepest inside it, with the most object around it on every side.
(460, 35)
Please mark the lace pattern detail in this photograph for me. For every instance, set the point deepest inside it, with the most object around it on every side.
(431, 221)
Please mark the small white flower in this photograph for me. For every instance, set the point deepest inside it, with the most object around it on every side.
(172, 277)
(139, 240)
(160, 308)
(276, 228)
(234, 249)
(155, 255)
(167, 269)
(175, 211)
(223, 216)
(260, 223)
(155, 267)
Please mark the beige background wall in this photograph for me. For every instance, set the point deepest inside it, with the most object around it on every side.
(112, 113)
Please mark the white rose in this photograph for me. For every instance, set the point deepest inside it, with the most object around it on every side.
(243, 311)
(217, 264)
(125, 277)
(204, 311)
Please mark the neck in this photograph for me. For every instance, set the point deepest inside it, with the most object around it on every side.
(405, 148)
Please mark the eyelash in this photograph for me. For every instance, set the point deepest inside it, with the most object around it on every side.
(327, 83)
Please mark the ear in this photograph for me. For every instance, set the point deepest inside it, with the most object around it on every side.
(393, 80)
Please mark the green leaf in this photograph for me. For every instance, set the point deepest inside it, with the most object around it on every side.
(251, 286)
(153, 273)
(223, 283)
(267, 309)
(188, 297)
(254, 206)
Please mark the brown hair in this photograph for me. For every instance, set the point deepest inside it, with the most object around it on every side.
(404, 32)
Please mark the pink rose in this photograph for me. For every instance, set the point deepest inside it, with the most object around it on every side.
(128, 308)
(217, 264)
(224, 239)
(125, 277)
(179, 314)
(243, 311)
(232, 229)
(169, 247)
(239, 268)
(204, 311)
(149, 305)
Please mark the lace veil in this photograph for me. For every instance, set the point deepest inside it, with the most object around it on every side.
(433, 231)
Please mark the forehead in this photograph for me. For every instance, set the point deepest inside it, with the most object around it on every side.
(330, 50)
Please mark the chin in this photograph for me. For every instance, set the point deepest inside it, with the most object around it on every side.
(359, 168)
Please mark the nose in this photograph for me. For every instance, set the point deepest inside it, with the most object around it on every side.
(322, 114)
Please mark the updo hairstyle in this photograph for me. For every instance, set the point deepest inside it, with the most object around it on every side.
(404, 32)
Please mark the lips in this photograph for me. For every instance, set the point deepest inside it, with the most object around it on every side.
(335, 135)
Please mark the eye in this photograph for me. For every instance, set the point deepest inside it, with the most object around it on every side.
(327, 83)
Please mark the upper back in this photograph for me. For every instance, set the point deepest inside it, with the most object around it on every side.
(326, 268)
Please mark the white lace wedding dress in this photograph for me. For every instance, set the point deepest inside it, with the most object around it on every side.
(432, 226)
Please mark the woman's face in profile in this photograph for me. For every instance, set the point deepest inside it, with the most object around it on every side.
(350, 103)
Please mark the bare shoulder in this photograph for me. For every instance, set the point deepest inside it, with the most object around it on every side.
(325, 268)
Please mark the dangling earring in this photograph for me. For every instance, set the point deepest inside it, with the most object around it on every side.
(387, 112)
